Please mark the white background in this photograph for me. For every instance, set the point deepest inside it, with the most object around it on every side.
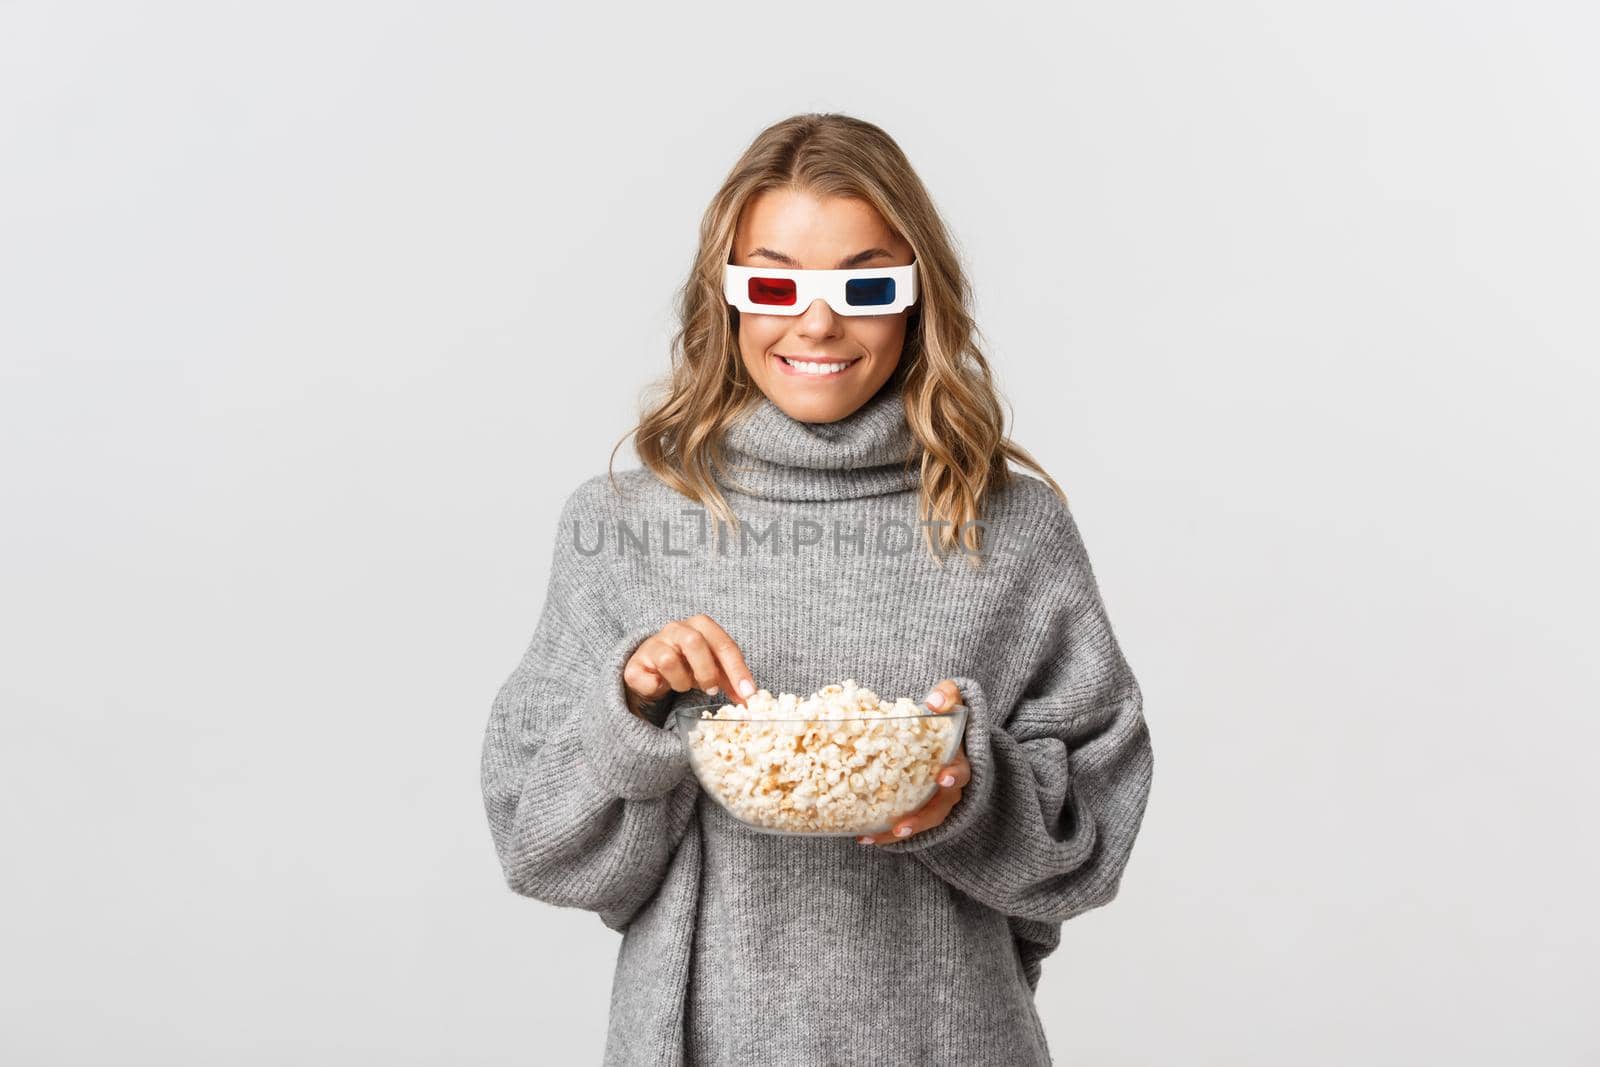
(306, 330)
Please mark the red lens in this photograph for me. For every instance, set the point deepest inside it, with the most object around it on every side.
(772, 291)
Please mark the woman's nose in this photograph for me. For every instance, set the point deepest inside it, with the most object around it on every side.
(819, 320)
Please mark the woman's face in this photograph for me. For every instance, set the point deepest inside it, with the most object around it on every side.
(794, 229)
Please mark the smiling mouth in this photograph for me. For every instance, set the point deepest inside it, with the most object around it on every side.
(816, 368)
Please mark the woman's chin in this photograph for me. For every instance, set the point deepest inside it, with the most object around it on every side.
(813, 405)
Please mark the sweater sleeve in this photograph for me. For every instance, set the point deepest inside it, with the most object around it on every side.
(1060, 780)
(586, 801)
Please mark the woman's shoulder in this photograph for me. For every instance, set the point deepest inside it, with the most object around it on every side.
(1032, 505)
(1036, 523)
(591, 513)
(612, 495)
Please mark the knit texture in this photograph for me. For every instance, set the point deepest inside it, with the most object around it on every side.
(742, 946)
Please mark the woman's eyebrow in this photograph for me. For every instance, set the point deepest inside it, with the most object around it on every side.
(844, 264)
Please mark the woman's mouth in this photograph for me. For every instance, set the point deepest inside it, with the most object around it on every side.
(822, 368)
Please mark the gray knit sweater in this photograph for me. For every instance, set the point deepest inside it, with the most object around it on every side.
(745, 947)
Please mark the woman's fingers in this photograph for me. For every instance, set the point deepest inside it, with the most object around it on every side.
(951, 779)
(642, 680)
(692, 653)
(696, 651)
(958, 772)
(943, 696)
(735, 676)
(662, 654)
(931, 814)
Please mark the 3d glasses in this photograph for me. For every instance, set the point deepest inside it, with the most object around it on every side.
(775, 291)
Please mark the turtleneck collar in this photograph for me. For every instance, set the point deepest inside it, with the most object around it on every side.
(869, 452)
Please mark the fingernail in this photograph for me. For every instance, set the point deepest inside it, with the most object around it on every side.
(747, 688)
(712, 690)
(935, 699)
(901, 831)
(948, 779)
(865, 840)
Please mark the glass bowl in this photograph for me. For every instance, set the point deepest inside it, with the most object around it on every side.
(819, 776)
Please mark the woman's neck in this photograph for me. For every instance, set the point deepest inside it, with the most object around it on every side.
(869, 452)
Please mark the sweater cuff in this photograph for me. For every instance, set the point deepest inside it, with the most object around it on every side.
(631, 758)
(976, 795)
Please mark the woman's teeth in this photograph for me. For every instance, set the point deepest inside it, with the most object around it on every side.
(816, 368)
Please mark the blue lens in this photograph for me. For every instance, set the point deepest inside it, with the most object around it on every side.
(868, 291)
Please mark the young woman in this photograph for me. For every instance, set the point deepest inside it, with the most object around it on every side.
(825, 496)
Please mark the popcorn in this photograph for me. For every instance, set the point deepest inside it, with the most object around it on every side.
(840, 761)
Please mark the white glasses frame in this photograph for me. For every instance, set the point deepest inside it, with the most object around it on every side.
(831, 286)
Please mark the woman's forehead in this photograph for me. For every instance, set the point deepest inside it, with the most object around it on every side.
(817, 233)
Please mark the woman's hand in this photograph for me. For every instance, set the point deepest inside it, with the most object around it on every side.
(692, 653)
(952, 778)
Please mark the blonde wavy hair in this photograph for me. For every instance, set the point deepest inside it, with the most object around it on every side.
(952, 406)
